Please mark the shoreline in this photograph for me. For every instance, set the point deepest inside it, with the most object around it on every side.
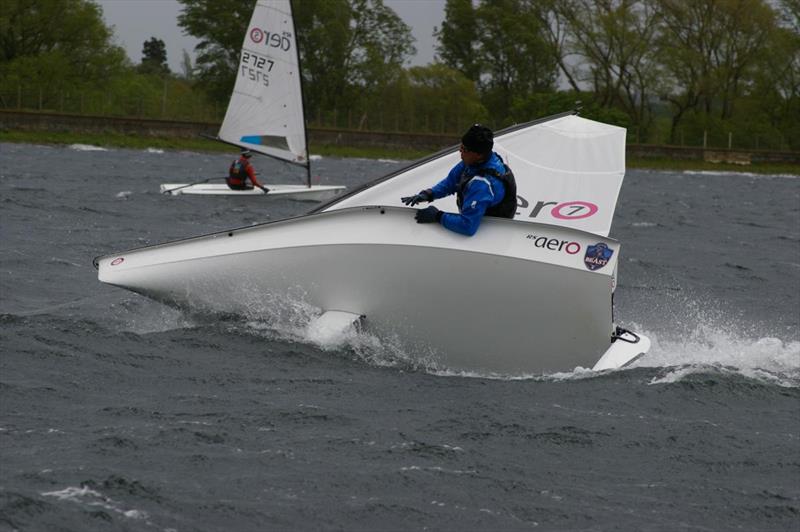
(205, 145)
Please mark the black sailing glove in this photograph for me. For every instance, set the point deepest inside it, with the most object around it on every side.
(428, 215)
(424, 195)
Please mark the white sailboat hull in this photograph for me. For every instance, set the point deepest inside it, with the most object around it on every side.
(517, 298)
(298, 192)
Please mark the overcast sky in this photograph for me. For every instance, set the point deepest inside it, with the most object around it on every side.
(135, 21)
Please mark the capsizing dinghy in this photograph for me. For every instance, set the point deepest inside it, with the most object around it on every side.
(265, 112)
(523, 296)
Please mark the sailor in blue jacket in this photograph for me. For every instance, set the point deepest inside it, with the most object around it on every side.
(482, 182)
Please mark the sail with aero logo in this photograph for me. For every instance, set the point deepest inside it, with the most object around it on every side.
(265, 112)
(568, 170)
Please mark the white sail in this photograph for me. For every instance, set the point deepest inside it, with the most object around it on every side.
(569, 171)
(265, 112)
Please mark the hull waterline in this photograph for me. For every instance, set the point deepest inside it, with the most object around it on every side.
(295, 192)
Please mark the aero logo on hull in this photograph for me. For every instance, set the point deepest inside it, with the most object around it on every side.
(554, 244)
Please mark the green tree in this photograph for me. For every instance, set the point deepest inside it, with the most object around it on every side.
(220, 25)
(709, 50)
(56, 46)
(154, 57)
(556, 31)
(614, 40)
(787, 71)
(324, 34)
(351, 50)
(500, 45)
(534, 106)
(443, 99)
(515, 57)
(458, 39)
(772, 115)
(434, 98)
(791, 10)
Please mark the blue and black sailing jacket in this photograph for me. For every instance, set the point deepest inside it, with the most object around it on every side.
(481, 190)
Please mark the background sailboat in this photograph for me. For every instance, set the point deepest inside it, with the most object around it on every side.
(265, 111)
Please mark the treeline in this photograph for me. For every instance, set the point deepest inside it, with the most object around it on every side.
(686, 72)
(59, 55)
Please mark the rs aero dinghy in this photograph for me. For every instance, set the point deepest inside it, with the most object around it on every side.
(528, 295)
(265, 112)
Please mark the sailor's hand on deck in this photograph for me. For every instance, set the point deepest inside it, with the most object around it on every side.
(424, 195)
(428, 215)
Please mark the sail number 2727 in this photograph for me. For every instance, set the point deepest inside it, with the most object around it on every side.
(256, 67)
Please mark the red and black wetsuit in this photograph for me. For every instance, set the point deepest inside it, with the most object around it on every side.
(240, 171)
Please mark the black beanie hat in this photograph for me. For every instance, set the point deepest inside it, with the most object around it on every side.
(478, 139)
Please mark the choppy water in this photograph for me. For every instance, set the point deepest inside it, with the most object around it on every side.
(117, 413)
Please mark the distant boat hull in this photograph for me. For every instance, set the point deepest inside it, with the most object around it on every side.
(515, 299)
(298, 192)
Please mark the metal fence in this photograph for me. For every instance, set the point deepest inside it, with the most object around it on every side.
(172, 103)
(175, 105)
(166, 106)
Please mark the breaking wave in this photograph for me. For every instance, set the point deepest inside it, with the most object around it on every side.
(290, 318)
(87, 497)
(707, 348)
(730, 173)
(143, 316)
(86, 147)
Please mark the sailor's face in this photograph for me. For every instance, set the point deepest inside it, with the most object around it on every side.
(469, 157)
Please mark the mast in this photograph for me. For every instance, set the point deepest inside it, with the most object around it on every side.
(302, 93)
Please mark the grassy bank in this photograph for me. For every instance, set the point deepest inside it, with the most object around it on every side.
(114, 140)
(683, 164)
(135, 142)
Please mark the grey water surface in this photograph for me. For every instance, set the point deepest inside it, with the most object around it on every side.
(117, 413)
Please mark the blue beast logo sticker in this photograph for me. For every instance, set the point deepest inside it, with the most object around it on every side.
(597, 256)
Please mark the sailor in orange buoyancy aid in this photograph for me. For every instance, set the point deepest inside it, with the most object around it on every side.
(482, 182)
(240, 171)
